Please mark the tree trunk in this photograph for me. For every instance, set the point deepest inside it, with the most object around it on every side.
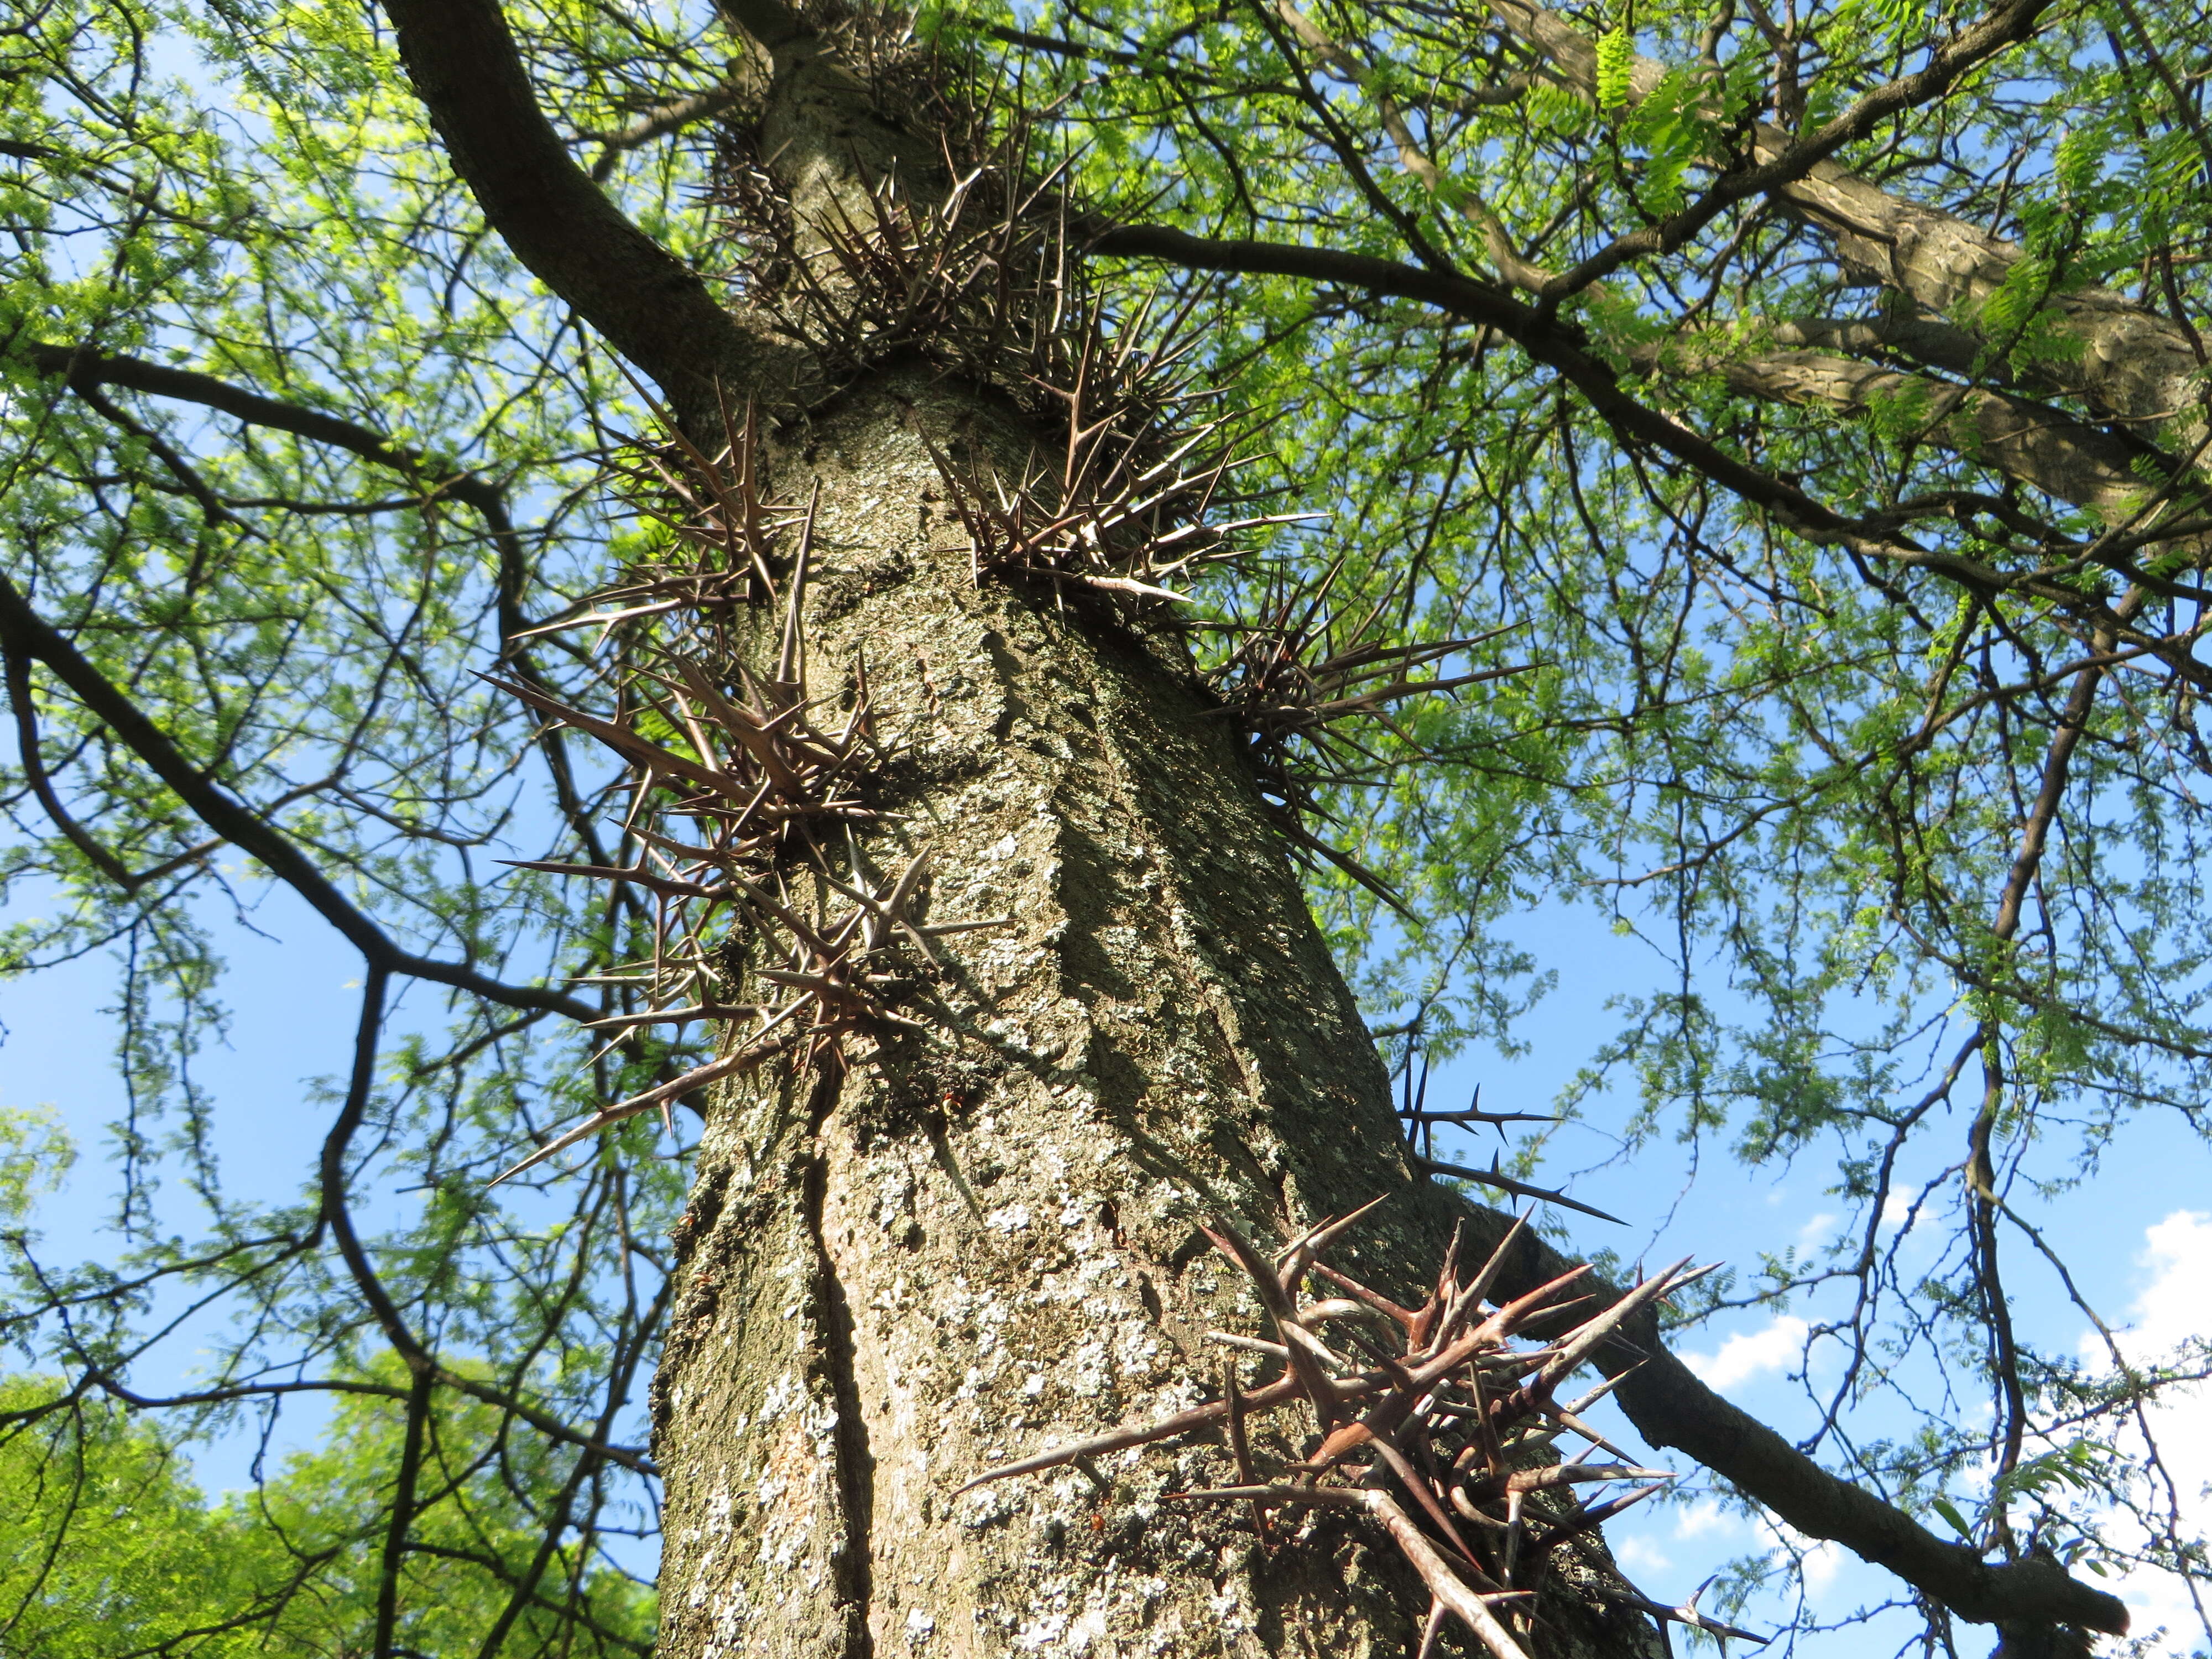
(895, 1276)
(897, 1272)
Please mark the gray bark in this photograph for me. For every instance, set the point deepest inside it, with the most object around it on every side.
(897, 1274)
(893, 1278)
(2046, 448)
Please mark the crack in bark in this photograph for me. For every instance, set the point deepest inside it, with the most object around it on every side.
(855, 1461)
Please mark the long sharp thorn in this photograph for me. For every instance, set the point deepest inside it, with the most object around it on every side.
(1573, 1422)
(1595, 1514)
(590, 1127)
(1198, 1417)
(1432, 1628)
(790, 655)
(1478, 1287)
(1232, 1396)
(1509, 1318)
(1409, 1478)
(1603, 1389)
(1583, 1340)
(1493, 1177)
(1448, 1275)
(1352, 1287)
(1513, 1513)
(1312, 1381)
(1301, 1256)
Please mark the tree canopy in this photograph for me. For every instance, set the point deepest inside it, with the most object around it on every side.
(1807, 407)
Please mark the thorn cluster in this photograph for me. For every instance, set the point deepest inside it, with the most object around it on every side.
(1427, 1419)
(721, 552)
(745, 794)
(1301, 675)
(981, 281)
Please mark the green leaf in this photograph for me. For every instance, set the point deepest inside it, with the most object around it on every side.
(1616, 56)
(1948, 1511)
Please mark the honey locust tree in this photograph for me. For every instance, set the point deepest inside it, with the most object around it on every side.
(1813, 400)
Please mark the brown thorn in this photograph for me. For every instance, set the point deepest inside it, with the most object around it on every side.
(1465, 1302)
(1506, 1183)
(1583, 1340)
(1291, 1263)
(1233, 1400)
(1431, 1628)
(1280, 1392)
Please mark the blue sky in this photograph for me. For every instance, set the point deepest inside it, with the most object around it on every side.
(2139, 1237)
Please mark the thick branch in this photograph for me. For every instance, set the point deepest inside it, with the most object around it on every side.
(1670, 1406)
(2138, 365)
(647, 304)
(2043, 448)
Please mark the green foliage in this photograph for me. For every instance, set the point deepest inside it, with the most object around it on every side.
(1792, 767)
(1616, 53)
(35, 1155)
(1901, 16)
(106, 1547)
(250, 191)
(1673, 128)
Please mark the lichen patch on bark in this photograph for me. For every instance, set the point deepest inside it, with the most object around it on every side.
(940, 1258)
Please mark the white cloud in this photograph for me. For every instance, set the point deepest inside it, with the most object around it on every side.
(1704, 1517)
(1640, 1555)
(2175, 1305)
(1820, 1565)
(1897, 1208)
(1815, 1231)
(1817, 1560)
(1751, 1353)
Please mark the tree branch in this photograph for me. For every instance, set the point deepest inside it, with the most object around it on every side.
(499, 1570)
(1558, 345)
(2138, 365)
(24, 633)
(403, 1512)
(2043, 448)
(670, 118)
(1670, 1406)
(1983, 1197)
(643, 300)
(34, 773)
(87, 367)
(1776, 166)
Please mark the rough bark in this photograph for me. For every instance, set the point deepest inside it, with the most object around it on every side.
(2134, 365)
(893, 1278)
(894, 1275)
